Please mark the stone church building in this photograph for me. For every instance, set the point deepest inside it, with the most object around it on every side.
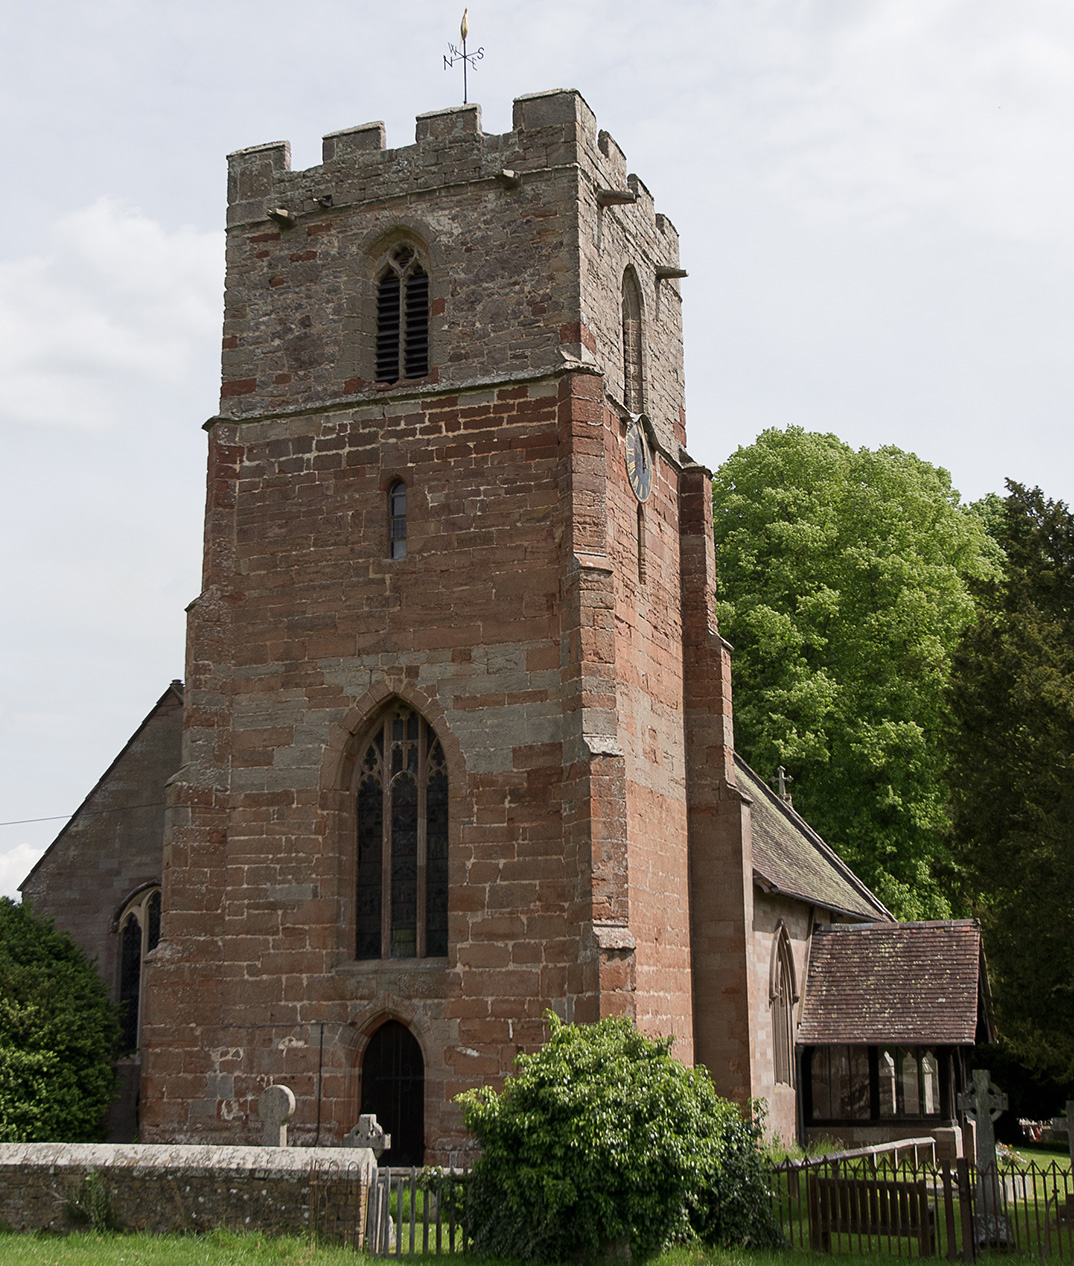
(454, 747)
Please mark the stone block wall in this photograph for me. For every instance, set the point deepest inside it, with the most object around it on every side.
(540, 621)
(769, 911)
(164, 1189)
(526, 263)
(111, 847)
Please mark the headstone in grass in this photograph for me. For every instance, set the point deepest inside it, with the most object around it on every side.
(276, 1107)
(1065, 1125)
(983, 1105)
(368, 1133)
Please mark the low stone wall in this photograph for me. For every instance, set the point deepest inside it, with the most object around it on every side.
(159, 1187)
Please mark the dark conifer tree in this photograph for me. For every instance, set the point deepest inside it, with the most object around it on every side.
(1011, 771)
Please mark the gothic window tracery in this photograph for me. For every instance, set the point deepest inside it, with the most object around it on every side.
(402, 316)
(402, 880)
(139, 932)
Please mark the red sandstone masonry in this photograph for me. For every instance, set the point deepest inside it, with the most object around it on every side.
(576, 699)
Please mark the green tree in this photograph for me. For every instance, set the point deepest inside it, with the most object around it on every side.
(1011, 768)
(602, 1141)
(57, 1034)
(842, 585)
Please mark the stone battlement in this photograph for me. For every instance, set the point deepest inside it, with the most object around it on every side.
(501, 222)
(550, 130)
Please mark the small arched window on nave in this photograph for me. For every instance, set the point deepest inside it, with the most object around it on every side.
(633, 376)
(402, 811)
(139, 932)
(402, 316)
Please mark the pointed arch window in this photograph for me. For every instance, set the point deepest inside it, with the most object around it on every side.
(402, 316)
(783, 994)
(633, 381)
(139, 932)
(402, 841)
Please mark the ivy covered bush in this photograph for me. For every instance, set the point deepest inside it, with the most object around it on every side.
(603, 1142)
(57, 1034)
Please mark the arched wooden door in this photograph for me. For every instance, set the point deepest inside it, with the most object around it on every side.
(393, 1087)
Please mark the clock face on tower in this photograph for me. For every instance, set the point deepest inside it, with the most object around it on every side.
(639, 460)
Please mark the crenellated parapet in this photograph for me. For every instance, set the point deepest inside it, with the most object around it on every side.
(501, 222)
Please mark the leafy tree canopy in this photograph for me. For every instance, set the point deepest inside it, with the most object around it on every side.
(602, 1140)
(1011, 769)
(57, 1034)
(842, 585)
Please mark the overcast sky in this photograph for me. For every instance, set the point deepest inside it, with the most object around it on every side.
(874, 199)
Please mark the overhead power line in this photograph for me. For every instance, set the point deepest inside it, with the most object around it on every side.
(60, 817)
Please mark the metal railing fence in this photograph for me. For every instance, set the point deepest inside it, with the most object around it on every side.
(903, 1203)
(416, 1211)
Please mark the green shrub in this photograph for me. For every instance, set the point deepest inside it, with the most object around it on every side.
(57, 1034)
(603, 1143)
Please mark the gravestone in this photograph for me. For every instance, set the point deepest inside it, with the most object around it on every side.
(983, 1105)
(368, 1133)
(276, 1107)
(1065, 1125)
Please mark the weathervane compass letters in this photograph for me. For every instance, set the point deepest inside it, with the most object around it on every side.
(461, 55)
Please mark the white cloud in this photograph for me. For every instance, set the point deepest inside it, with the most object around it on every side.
(118, 304)
(109, 338)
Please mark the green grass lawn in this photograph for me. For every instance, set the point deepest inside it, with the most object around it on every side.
(1044, 1157)
(217, 1248)
(228, 1248)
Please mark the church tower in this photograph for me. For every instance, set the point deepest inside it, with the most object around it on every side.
(457, 743)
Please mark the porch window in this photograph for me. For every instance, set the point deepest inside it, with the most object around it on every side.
(840, 1083)
(909, 1082)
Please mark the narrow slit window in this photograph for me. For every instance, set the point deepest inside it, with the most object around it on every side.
(633, 394)
(402, 317)
(397, 519)
(641, 543)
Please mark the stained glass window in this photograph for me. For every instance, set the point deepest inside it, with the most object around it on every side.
(402, 809)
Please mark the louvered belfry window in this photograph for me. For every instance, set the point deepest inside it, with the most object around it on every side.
(402, 317)
(402, 886)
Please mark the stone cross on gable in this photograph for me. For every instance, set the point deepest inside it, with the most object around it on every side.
(275, 1108)
(1065, 1125)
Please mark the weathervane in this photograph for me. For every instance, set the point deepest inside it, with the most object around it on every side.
(461, 55)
